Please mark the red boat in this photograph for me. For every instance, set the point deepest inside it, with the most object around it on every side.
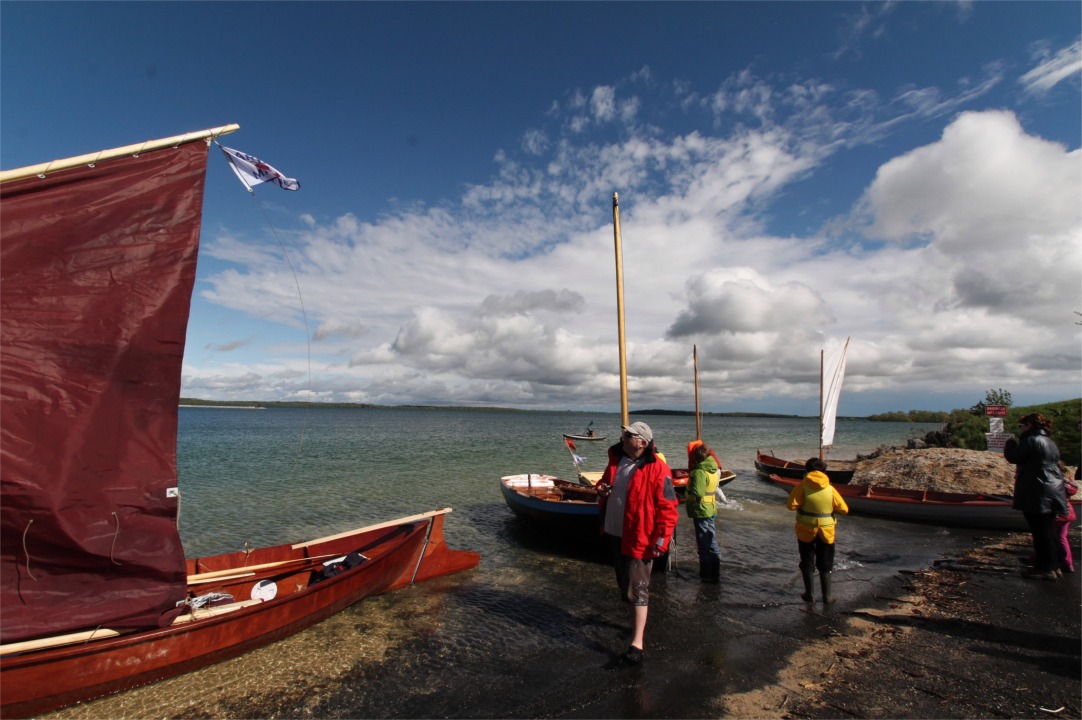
(97, 265)
(283, 593)
(972, 510)
(767, 465)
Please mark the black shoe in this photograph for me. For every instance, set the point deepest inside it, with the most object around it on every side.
(631, 656)
(1035, 574)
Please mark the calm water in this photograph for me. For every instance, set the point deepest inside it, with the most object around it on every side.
(533, 630)
(282, 475)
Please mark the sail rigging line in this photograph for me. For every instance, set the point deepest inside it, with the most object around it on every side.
(26, 550)
(116, 535)
(304, 317)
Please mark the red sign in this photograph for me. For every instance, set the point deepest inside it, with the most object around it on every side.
(996, 411)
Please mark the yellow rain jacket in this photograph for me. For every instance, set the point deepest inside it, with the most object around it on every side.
(815, 502)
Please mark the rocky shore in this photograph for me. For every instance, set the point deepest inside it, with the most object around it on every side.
(937, 469)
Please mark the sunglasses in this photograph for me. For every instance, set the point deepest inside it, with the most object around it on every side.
(629, 435)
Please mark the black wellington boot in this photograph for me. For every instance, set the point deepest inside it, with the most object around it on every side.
(713, 570)
(824, 583)
(806, 596)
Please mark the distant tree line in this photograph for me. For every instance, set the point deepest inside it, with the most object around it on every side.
(919, 416)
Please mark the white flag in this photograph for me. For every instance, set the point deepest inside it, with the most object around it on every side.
(252, 171)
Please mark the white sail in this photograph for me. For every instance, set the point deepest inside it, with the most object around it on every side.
(833, 372)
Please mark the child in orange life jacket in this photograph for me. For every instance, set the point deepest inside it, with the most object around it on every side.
(815, 502)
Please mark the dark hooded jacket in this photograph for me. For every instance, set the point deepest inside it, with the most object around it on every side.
(1038, 482)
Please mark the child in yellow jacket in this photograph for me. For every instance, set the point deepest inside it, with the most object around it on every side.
(816, 501)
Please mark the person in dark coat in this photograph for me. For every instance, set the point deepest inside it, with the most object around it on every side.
(1039, 491)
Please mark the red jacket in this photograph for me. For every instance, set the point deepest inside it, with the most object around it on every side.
(650, 513)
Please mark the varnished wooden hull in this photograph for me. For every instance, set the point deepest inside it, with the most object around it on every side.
(767, 465)
(399, 553)
(988, 512)
(545, 504)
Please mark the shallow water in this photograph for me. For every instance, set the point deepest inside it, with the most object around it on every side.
(534, 630)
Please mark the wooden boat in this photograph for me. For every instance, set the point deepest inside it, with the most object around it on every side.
(970, 510)
(545, 500)
(587, 435)
(97, 594)
(278, 591)
(586, 438)
(767, 465)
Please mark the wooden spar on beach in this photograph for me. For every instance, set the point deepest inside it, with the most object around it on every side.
(620, 308)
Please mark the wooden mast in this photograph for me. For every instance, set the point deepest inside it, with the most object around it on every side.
(698, 415)
(620, 308)
(821, 356)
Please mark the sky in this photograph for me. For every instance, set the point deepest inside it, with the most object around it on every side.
(790, 174)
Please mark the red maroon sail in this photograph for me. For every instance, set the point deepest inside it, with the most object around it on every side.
(97, 266)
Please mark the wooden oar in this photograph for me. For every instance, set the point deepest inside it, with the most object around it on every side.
(57, 640)
(219, 578)
(220, 574)
(106, 633)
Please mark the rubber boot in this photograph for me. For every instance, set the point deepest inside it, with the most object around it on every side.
(713, 570)
(704, 570)
(824, 583)
(806, 596)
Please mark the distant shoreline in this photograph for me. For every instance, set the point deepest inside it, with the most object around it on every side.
(263, 405)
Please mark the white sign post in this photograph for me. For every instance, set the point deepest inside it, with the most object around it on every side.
(997, 439)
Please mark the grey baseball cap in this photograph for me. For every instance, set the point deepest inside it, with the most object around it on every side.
(641, 429)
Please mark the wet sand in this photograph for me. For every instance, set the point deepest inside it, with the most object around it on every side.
(966, 638)
(970, 638)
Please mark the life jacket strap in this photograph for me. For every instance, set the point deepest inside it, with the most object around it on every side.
(801, 511)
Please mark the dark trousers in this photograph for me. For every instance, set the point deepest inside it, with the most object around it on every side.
(1045, 540)
(816, 554)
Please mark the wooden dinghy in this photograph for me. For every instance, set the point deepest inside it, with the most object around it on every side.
(767, 465)
(550, 502)
(971, 510)
(99, 259)
(271, 592)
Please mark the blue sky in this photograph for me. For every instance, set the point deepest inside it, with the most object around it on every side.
(790, 174)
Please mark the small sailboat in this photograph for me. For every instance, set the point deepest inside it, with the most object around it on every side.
(97, 261)
(831, 375)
